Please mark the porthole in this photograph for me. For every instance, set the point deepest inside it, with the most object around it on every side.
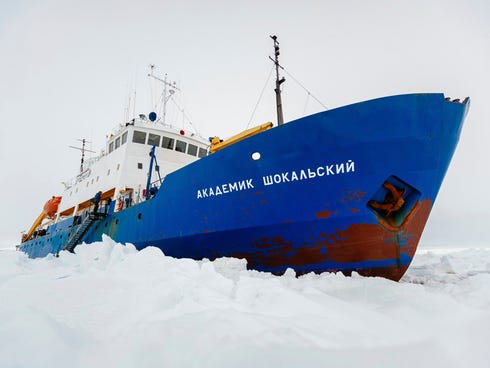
(256, 156)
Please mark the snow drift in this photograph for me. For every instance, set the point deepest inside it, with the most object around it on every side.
(110, 305)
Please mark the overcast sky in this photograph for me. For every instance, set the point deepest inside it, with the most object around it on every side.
(67, 69)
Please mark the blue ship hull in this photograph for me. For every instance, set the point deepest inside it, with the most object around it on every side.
(348, 189)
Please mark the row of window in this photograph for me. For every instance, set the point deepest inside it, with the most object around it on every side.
(91, 181)
(139, 165)
(154, 140)
(119, 141)
(168, 143)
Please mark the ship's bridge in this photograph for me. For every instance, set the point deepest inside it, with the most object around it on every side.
(141, 131)
(123, 165)
(145, 132)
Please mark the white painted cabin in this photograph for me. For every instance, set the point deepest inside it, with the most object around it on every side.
(125, 162)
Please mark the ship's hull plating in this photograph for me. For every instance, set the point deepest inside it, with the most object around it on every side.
(345, 190)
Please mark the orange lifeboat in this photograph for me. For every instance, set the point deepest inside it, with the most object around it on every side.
(49, 210)
(51, 207)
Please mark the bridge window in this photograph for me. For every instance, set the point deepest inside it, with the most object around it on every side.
(168, 143)
(202, 152)
(180, 146)
(124, 138)
(139, 137)
(153, 139)
(118, 142)
(111, 147)
(192, 150)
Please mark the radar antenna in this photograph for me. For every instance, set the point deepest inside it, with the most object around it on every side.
(83, 149)
(169, 88)
(279, 81)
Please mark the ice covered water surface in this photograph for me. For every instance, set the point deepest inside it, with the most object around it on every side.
(110, 305)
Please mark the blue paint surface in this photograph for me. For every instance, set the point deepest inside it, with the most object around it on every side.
(323, 168)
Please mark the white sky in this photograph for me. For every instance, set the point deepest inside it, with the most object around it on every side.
(67, 69)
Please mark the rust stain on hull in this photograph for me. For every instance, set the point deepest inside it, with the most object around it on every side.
(358, 243)
(323, 214)
(353, 196)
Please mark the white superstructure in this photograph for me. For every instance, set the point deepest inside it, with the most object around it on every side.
(123, 165)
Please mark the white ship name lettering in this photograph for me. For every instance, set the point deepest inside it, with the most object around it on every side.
(323, 171)
(306, 174)
(226, 188)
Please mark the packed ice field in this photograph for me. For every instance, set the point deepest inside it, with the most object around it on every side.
(110, 305)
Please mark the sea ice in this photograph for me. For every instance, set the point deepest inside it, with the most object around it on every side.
(111, 305)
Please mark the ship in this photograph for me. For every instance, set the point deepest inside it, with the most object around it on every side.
(345, 190)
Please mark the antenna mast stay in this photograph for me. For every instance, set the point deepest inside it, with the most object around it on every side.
(279, 81)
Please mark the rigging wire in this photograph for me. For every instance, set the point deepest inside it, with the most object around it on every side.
(260, 97)
(306, 102)
(160, 102)
(301, 85)
(135, 82)
(150, 84)
(186, 117)
(134, 103)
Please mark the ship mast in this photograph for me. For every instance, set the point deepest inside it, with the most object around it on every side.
(279, 81)
(169, 89)
(83, 149)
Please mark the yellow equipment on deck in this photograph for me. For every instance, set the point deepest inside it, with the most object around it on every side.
(34, 226)
(217, 144)
(49, 211)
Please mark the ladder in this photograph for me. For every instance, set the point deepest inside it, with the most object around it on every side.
(77, 237)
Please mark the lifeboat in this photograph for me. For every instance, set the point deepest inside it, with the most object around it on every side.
(51, 207)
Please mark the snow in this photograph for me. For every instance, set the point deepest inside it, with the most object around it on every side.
(112, 306)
